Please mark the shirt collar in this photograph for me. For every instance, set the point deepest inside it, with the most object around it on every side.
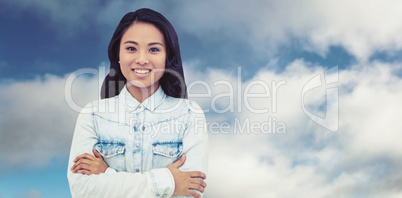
(151, 103)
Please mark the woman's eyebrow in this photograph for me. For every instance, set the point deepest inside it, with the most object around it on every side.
(155, 43)
(133, 42)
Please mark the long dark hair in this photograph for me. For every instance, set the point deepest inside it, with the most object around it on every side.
(172, 81)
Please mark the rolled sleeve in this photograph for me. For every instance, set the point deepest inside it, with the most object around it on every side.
(162, 180)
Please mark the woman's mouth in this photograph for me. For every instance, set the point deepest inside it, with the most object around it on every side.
(141, 71)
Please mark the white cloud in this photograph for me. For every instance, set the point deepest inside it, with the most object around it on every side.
(36, 122)
(361, 27)
(362, 158)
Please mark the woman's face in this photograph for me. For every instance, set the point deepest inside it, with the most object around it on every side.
(142, 56)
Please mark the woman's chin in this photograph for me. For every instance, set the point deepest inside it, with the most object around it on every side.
(140, 85)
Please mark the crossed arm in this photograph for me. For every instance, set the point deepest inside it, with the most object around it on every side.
(185, 182)
(87, 168)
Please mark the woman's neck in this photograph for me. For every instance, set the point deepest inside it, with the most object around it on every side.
(141, 94)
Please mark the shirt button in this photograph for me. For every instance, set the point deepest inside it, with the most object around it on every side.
(138, 145)
(171, 153)
(137, 170)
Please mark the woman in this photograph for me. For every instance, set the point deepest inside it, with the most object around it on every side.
(145, 139)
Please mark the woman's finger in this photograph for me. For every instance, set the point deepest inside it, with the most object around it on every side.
(195, 186)
(84, 156)
(197, 174)
(78, 157)
(82, 161)
(85, 161)
(84, 172)
(75, 166)
(82, 167)
(199, 181)
(88, 156)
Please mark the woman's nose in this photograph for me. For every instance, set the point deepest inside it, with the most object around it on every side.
(142, 58)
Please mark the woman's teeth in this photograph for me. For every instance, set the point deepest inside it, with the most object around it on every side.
(142, 71)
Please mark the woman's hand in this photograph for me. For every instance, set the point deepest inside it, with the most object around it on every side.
(186, 182)
(87, 164)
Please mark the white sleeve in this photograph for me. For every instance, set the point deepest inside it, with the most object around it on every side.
(195, 142)
(154, 183)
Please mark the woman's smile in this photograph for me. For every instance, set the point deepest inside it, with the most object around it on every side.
(141, 71)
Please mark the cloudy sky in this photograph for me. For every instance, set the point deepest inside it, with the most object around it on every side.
(302, 98)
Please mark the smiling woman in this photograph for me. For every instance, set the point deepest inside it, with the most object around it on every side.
(172, 81)
(150, 141)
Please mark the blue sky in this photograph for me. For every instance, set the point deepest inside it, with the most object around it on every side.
(44, 42)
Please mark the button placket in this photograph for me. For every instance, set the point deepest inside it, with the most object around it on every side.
(137, 139)
(137, 154)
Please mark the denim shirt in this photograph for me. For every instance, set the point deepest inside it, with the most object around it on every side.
(138, 141)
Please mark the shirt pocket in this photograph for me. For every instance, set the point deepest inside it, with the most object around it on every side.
(165, 153)
(113, 154)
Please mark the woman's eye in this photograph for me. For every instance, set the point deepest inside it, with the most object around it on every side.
(154, 49)
(131, 49)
